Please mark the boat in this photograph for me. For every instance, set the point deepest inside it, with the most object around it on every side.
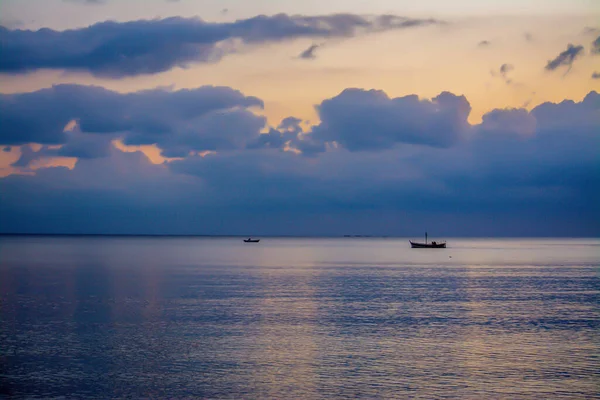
(250, 240)
(426, 245)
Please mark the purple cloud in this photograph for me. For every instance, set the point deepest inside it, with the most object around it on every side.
(369, 120)
(566, 58)
(309, 54)
(207, 118)
(596, 46)
(417, 160)
(503, 72)
(120, 49)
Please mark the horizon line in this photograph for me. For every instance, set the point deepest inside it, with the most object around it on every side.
(342, 236)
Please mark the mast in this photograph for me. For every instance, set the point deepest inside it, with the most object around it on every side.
(425, 237)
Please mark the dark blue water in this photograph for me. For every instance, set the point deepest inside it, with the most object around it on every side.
(298, 318)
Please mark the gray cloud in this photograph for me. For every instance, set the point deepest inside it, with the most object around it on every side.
(484, 43)
(93, 2)
(369, 120)
(566, 58)
(505, 169)
(119, 49)
(12, 23)
(596, 75)
(309, 54)
(26, 157)
(288, 130)
(590, 30)
(207, 118)
(78, 145)
(505, 68)
(219, 119)
(596, 46)
(503, 72)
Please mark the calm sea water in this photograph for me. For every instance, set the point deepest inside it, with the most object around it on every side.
(298, 318)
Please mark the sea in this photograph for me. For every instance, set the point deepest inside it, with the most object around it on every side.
(298, 318)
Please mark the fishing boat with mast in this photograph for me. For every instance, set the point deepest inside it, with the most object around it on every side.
(426, 245)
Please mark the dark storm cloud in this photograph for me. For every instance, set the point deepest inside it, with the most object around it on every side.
(359, 119)
(119, 49)
(207, 118)
(309, 54)
(538, 172)
(566, 58)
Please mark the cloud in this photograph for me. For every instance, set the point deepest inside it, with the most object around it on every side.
(120, 49)
(484, 43)
(12, 23)
(596, 75)
(288, 130)
(517, 172)
(358, 120)
(83, 118)
(309, 54)
(566, 58)
(27, 156)
(528, 36)
(596, 46)
(93, 2)
(7, 149)
(507, 121)
(503, 72)
(505, 68)
(206, 118)
(78, 145)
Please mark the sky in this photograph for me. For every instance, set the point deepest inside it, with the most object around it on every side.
(264, 117)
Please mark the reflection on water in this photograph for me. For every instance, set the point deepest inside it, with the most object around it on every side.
(298, 318)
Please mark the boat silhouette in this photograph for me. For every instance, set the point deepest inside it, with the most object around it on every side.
(426, 245)
(250, 240)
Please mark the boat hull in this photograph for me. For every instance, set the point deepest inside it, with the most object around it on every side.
(251, 240)
(416, 245)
